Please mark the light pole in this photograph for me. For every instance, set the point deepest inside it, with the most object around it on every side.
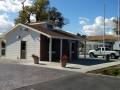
(118, 19)
(104, 29)
(104, 32)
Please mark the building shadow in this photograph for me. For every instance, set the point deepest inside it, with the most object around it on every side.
(89, 62)
(72, 67)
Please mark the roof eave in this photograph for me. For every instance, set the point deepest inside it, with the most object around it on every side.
(4, 34)
(68, 38)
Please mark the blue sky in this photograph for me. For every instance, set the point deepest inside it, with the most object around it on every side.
(85, 16)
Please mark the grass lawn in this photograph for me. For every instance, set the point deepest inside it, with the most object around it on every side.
(112, 71)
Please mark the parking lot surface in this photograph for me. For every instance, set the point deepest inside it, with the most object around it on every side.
(14, 76)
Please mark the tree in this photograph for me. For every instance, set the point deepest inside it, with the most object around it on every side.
(81, 44)
(84, 36)
(78, 34)
(116, 21)
(43, 11)
(24, 15)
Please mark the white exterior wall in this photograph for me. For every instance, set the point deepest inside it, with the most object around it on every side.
(0, 48)
(13, 44)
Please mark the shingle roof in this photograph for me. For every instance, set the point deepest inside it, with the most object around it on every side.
(57, 33)
(98, 38)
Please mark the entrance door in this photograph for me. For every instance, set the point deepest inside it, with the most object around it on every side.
(3, 46)
(23, 49)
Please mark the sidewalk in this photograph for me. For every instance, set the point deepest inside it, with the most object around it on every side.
(82, 65)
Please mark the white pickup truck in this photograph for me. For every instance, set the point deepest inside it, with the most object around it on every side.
(103, 51)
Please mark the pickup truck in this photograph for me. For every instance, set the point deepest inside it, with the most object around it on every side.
(103, 51)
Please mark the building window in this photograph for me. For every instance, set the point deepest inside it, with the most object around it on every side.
(49, 26)
(3, 45)
(117, 33)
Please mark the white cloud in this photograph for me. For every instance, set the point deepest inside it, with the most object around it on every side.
(97, 27)
(82, 18)
(1, 33)
(109, 33)
(13, 5)
(5, 24)
(70, 32)
(82, 22)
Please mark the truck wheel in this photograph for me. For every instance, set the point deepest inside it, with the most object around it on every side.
(112, 56)
(91, 55)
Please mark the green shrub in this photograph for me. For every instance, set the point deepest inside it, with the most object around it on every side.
(110, 71)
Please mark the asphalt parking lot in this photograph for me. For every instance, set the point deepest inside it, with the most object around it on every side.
(81, 81)
(15, 76)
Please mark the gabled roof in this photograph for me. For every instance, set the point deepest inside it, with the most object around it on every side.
(98, 38)
(42, 22)
(57, 33)
(49, 33)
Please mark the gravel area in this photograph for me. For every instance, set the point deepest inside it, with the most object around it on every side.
(15, 76)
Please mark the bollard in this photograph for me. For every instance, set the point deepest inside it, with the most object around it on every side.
(107, 57)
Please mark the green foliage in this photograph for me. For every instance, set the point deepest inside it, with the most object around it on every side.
(43, 12)
(81, 44)
(78, 34)
(116, 20)
(110, 71)
(84, 36)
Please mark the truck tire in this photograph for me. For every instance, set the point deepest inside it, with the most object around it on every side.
(112, 56)
(91, 55)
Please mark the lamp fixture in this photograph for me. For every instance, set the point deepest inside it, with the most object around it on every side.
(18, 37)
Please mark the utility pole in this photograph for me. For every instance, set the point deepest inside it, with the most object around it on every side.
(118, 19)
(104, 29)
(104, 32)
